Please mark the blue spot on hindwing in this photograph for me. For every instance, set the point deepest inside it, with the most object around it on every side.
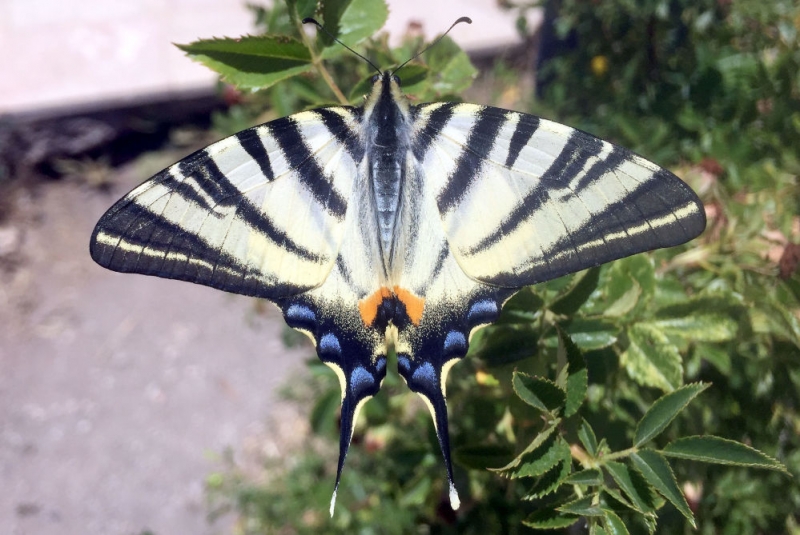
(455, 343)
(403, 363)
(425, 374)
(328, 345)
(360, 380)
(381, 364)
(483, 311)
(298, 315)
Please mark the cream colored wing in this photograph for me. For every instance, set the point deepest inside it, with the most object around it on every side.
(259, 213)
(524, 200)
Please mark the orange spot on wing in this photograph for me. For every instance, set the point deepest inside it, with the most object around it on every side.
(368, 307)
(414, 304)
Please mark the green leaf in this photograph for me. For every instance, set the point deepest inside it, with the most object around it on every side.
(582, 506)
(590, 476)
(451, 70)
(651, 359)
(588, 438)
(483, 456)
(538, 392)
(252, 61)
(352, 21)
(613, 523)
(577, 374)
(505, 344)
(656, 470)
(521, 308)
(538, 441)
(663, 411)
(549, 518)
(625, 302)
(711, 449)
(542, 459)
(633, 485)
(709, 327)
(576, 296)
(551, 480)
(303, 8)
(592, 334)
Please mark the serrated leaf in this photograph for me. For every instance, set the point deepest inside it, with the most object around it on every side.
(613, 524)
(521, 308)
(483, 456)
(712, 327)
(656, 470)
(303, 8)
(711, 449)
(582, 506)
(252, 61)
(538, 392)
(651, 359)
(536, 443)
(551, 480)
(592, 334)
(505, 344)
(577, 374)
(542, 459)
(451, 70)
(663, 411)
(571, 301)
(625, 302)
(549, 518)
(632, 484)
(591, 476)
(588, 438)
(352, 21)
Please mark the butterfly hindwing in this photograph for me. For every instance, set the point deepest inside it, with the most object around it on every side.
(524, 200)
(259, 213)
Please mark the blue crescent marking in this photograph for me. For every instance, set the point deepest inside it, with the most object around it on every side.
(403, 363)
(455, 343)
(484, 309)
(297, 312)
(328, 343)
(425, 373)
(360, 379)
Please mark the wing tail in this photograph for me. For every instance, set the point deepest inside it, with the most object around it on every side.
(427, 378)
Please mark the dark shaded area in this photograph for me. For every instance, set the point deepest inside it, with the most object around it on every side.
(31, 143)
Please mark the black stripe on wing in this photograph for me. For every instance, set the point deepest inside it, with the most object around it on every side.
(288, 133)
(476, 150)
(661, 212)
(135, 241)
(436, 122)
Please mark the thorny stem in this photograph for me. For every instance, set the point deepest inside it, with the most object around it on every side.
(316, 60)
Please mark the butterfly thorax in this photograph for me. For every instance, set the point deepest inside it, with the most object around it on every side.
(387, 123)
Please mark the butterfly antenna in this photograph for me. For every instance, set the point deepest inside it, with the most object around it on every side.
(418, 54)
(311, 20)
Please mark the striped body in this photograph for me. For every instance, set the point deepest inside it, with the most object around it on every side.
(393, 224)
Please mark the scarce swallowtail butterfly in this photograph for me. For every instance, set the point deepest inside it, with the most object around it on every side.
(394, 224)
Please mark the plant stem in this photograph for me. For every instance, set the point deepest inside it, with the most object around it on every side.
(316, 60)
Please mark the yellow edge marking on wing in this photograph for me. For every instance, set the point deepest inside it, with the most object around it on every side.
(340, 374)
(368, 307)
(430, 408)
(414, 304)
(445, 370)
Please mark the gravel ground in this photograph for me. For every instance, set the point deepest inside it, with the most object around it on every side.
(119, 392)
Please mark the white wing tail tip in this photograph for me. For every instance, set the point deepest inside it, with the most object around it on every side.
(333, 501)
(455, 503)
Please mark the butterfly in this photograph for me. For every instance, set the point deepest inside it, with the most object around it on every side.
(395, 225)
